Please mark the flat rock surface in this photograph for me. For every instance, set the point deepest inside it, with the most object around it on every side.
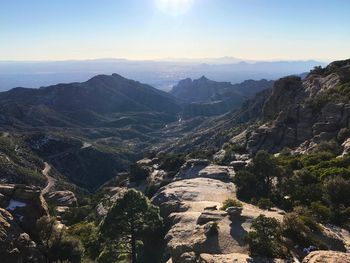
(234, 257)
(186, 200)
(327, 257)
(219, 172)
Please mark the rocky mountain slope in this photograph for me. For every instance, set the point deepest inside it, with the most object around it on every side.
(98, 126)
(83, 104)
(195, 171)
(205, 97)
(295, 113)
(205, 90)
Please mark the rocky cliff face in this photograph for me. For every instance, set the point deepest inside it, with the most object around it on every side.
(25, 204)
(302, 113)
(205, 90)
(200, 90)
(205, 97)
(16, 245)
(296, 113)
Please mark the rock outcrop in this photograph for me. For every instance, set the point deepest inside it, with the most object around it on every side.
(25, 204)
(327, 257)
(182, 203)
(16, 245)
(302, 113)
(190, 206)
(201, 168)
(62, 198)
(205, 90)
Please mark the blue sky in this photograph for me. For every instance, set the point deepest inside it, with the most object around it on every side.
(153, 29)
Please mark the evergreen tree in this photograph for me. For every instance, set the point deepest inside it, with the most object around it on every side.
(130, 219)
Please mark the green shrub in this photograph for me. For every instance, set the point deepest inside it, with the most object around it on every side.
(265, 203)
(246, 183)
(329, 146)
(231, 202)
(296, 229)
(172, 162)
(77, 214)
(299, 229)
(321, 212)
(341, 216)
(310, 223)
(338, 191)
(88, 235)
(343, 134)
(57, 244)
(266, 238)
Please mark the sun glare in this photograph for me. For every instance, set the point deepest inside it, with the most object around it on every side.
(174, 7)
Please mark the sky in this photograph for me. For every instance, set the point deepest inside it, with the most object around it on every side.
(155, 29)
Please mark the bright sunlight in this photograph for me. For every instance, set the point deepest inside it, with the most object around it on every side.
(174, 7)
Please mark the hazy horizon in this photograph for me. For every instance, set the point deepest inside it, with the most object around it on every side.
(171, 59)
(162, 74)
(40, 30)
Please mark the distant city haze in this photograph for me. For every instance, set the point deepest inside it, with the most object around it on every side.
(162, 74)
(154, 29)
(163, 41)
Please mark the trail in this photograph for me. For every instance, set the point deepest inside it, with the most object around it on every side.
(5, 134)
(86, 145)
(50, 180)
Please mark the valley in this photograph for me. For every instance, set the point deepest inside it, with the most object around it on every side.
(214, 162)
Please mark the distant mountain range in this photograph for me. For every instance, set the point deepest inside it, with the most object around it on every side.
(204, 97)
(162, 74)
(205, 90)
(108, 121)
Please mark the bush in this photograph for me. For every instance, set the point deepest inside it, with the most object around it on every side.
(246, 183)
(77, 214)
(57, 245)
(310, 222)
(330, 146)
(231, 202)
(66, 249)
(202, 154)
(338, 191)
(265, 203)
(235, 148)
(343, 134)
(341, 216)
(172, 162)
(266, 238)
(88, 235)
(296, 229)
(228, 157)
(321, 212)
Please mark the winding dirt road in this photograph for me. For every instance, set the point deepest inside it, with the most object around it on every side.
(50, 180)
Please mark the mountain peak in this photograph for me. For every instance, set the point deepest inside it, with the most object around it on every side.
(103, 77)
(203, 78)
